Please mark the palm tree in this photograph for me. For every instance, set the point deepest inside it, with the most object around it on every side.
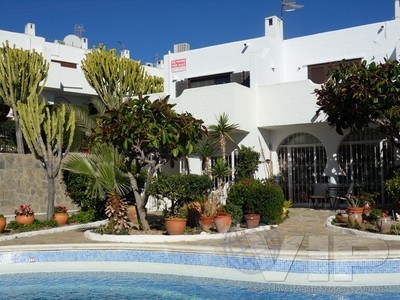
(221, 131)
(220, 170)
(107, 181)
(205, 150)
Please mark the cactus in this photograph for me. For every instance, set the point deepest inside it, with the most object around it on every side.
(21, 73)
(35, 119)
(116, 78)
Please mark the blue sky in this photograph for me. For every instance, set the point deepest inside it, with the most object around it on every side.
(150, 28)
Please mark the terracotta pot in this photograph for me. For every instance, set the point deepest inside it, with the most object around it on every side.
(384, 224)
(206, 222)
(26, 220)
(131, 213)
(175, 226)
(252, 220)
(355, 220)
(223, 222)
(61, 218)
(358, 210)
(343, 218)
(3, 223)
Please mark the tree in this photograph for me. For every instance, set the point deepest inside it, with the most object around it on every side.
(150, 134)
(21, 73)
(36, 119)
(116, 78)
(358, 95)
(103, 167)
(221, 132)
(205, 150)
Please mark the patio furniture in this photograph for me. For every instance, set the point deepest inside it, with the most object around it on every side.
(340, 194)
(319, 195)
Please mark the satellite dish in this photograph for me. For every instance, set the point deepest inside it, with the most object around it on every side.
(73, 40)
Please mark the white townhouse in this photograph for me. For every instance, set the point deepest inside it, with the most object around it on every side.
(266, 86)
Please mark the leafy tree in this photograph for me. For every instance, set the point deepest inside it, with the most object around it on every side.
(357, 95)
(21, 73)
(150, 134)
(221, 132)
(36, 119)
(102, 166)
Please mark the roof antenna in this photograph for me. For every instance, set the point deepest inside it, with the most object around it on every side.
(78, 29)
(289, 6)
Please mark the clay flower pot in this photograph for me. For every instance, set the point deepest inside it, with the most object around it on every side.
(61, 218)
(3, 223)
(26, 220)
(207, 222)
(384, 224)
(355, 220)
(175, 225)
(223, 222)
(252, 220)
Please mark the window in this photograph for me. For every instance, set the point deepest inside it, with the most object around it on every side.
(65, 64)
(319, 73)
(242, 78)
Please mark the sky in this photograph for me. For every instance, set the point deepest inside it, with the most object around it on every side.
(150, 28)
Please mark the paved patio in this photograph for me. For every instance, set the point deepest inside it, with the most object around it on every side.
(303, 233)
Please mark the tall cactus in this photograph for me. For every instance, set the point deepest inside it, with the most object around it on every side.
(115, 78)
(35, 116)
(21, 73)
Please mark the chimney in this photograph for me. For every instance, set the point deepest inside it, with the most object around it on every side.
(85, 43)
(30, 29)
(125, 53)
(396, 9)
(274, 28)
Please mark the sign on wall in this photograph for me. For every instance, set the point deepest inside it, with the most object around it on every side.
(178, 65)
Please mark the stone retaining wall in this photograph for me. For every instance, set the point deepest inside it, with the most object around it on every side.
(23, 181)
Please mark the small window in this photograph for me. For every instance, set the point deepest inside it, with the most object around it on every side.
(270, 22)
(319, 73)
(65, 64)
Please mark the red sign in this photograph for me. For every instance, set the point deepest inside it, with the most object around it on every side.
(178, 65)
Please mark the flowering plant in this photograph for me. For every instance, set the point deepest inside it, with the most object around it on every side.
(24, 210)
(60, 209)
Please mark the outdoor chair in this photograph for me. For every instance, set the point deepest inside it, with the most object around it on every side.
(343, 197)
(319, 195)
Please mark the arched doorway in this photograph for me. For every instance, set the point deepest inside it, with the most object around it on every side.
(367, 159)
(302, 160)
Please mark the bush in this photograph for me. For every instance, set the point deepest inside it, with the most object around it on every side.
(76, 187)
(254, 196)
(84, 217)
(248, 161)
(180, 188)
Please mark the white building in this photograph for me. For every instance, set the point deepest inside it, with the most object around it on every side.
(265, 85)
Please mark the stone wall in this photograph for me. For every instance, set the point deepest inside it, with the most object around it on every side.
(23, 181)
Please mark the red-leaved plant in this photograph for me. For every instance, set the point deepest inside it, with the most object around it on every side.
(24, 210)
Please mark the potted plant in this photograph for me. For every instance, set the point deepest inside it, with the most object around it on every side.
(61, 215)
(342, 216)
(3, 223)
(24, 214)
(222, 220)
(384, 223)
(208, 211)
(355, 211)
(392, 188)
(175, 220)
(286, 205)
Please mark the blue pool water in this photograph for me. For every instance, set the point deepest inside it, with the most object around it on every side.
(99, 285)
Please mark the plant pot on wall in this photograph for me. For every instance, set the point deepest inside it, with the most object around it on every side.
(61, 218)
(252, 220)
(206, 222)
(223, 222)
(3, 223)
(26, 220)
(384, 224)
(175, 225)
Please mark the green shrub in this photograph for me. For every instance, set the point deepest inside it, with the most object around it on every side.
(248, 161)
(84, 217)
(254, 196)
(181, 188)
(36, 225)
(392, 187)
(76, 187)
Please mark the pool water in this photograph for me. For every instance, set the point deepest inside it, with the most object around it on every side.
(115, 285)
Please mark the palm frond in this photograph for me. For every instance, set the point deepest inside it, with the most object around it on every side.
(99, 105)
